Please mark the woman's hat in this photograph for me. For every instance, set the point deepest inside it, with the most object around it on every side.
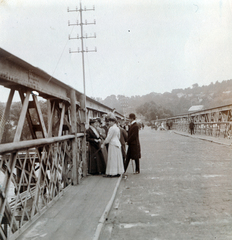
(111, 117)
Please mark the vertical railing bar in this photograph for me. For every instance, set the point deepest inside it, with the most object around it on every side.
(40, 116)
(37, 191)
(6, 113)
(29, 182)
(50, 120)
(61, 120)
(19, 186)
(6, 185)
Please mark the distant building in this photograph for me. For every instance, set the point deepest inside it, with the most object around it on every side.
(196, 108)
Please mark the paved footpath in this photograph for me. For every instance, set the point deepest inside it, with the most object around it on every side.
(184, 191)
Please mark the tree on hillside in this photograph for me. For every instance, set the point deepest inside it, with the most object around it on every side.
(195, 85)
(12, 121)
(112, 102)
(178, 101)
(152, 111)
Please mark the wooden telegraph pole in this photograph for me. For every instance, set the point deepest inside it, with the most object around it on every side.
(82, 51)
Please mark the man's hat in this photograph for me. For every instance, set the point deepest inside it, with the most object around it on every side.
(132, 116)
(92, 120)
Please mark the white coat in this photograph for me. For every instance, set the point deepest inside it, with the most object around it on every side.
(115, 162)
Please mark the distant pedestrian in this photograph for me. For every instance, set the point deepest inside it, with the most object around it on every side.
(102, 133)
(191, 127)
(133, 151)
(100, 128)
(106, 128)
(123, 140)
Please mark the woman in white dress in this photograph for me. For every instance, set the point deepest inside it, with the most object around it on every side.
(115, 165)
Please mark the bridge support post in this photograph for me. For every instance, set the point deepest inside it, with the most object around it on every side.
(75, 155)
(83, 128)
(6, 114)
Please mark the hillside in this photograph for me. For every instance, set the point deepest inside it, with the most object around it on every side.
(176, 102)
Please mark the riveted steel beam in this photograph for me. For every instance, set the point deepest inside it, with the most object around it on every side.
(16, 73)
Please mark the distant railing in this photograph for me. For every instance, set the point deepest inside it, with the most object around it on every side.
(215, 122)
(219, 129)
(35, 174)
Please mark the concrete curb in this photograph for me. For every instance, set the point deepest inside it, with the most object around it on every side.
(201, 138)
(103, 218)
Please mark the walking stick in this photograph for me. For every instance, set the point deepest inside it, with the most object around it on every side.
(132, 165)
(96, 152)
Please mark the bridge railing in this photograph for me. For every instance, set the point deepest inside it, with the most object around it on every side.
(215, 122)
(36, 172)
(214, 129)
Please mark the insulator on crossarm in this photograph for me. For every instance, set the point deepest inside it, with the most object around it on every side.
(93, 8)
(68, 23)
(68, 9)
(94, 21)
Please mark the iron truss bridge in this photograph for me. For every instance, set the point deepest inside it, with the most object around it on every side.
(35, 172)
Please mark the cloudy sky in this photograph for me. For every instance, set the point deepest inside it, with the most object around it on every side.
(143, 46)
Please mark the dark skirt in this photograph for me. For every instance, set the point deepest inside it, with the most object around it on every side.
(96, 163)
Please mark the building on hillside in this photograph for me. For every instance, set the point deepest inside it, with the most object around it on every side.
(196, 108)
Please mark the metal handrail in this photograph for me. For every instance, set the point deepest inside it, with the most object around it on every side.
(16, 146)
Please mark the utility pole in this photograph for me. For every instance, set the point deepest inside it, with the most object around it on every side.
(82, 51)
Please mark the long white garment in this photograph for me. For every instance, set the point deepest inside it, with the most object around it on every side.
(115, 162)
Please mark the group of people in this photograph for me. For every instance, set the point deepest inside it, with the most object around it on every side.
(107, 146)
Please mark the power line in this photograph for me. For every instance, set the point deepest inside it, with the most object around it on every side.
(59, 58)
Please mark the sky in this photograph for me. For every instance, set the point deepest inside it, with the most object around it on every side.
(143, 46)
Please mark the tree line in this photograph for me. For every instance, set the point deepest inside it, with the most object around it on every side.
(178, 101)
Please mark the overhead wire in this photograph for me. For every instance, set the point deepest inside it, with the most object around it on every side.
(60, 55)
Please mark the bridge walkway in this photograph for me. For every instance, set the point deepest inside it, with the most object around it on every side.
(77, 214)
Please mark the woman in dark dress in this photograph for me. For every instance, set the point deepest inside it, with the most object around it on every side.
(96, 163)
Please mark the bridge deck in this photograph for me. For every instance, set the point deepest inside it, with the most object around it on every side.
(77, 213)
(184, 191)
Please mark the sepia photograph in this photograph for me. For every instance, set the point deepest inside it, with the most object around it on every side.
(115, 119)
